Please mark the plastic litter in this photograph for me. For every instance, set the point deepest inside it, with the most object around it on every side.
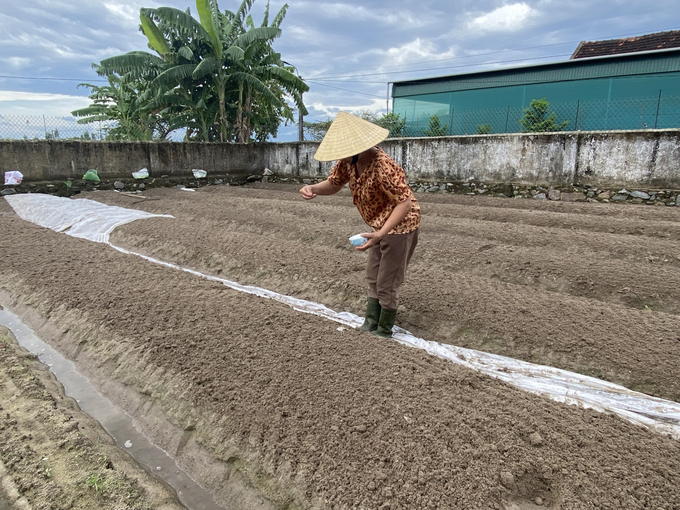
(141, 174)
(13, 178)
(199, 174)
(95, 221)
(91, 175)
(358, 240)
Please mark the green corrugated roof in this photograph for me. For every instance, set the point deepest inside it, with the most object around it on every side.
(651, 62)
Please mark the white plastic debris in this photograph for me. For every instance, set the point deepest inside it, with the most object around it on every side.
(13, 178)
(128, 444)
(94, 221)
(199, 174)
(141, 174)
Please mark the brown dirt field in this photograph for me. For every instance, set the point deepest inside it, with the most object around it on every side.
(55, 457)
(314, 417)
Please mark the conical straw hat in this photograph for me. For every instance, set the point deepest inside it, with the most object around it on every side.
(347, 136)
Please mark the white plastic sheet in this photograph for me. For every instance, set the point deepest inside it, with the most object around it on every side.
(94, 221)
(78, 218)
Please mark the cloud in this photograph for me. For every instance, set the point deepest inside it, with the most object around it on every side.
(359, 13)
(17, 62)
(414, 52)
(13, 102)
(509, 18)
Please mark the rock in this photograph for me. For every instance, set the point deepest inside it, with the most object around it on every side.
(539, 501)
(119, 185)
(306, 181)
(619, 198)
(8, 191)
(535, 439)
(554, 194)
(142, 186)
(442, 187)
(267, 172)
(253, 178)
(640, 194)
(677, 201)
(540, 196)
(605, 195)
(218, 181)
(624, 191)
(361, 429)
(507, 479)
(432, 189)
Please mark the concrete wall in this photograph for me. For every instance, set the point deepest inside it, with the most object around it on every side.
(623, 158)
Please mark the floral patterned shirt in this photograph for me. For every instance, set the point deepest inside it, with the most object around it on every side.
(379, 189)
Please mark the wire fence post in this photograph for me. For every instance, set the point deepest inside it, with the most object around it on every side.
(451, 121)
(100, 130)
(45, 126)
(578, 107)
(507, 118)
(658, 106)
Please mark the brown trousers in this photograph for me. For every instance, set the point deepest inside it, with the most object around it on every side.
(386, 268)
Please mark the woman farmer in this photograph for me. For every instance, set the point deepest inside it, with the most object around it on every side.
(386, 204)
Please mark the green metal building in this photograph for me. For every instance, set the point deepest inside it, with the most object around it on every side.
(630, 91)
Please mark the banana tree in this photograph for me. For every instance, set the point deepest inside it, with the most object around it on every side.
(121, 101)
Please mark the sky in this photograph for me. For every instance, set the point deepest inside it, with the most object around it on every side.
(347, 51)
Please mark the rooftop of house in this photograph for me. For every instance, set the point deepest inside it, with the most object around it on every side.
(648, 42)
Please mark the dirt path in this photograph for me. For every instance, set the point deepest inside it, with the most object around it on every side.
(315, 417)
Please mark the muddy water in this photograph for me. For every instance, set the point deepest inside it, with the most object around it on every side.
(117, 423)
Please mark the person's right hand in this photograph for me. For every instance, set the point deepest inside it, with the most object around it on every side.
(307, 193)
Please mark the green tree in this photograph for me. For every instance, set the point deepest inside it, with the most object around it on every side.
(222, 52)
(435, 127)
(120, 101)
(483, 129)
(391, 121)
(537, 120)
(394, 122)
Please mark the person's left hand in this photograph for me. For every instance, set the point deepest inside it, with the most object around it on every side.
(373, 239)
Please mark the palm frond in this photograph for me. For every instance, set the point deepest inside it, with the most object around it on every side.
(278, 19)
(257, 34)
(258, 86)
(235, 53)
(265, 19)
(207, 66)
(174, 75)
(186, 53)
(206, 13)
(134, 61)
(89, 110)
(155, 37)
(181, 21)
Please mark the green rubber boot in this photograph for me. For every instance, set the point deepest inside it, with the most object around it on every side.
(385, 323)
(372, 315)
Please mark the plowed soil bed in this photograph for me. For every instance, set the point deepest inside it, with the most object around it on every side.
(314, 417)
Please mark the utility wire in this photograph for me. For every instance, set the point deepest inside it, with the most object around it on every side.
(499, 52)
(523, 49)
(346, 90)
(46, 78)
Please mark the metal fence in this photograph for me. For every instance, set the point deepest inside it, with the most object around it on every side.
(19, 127)
(624, 114)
